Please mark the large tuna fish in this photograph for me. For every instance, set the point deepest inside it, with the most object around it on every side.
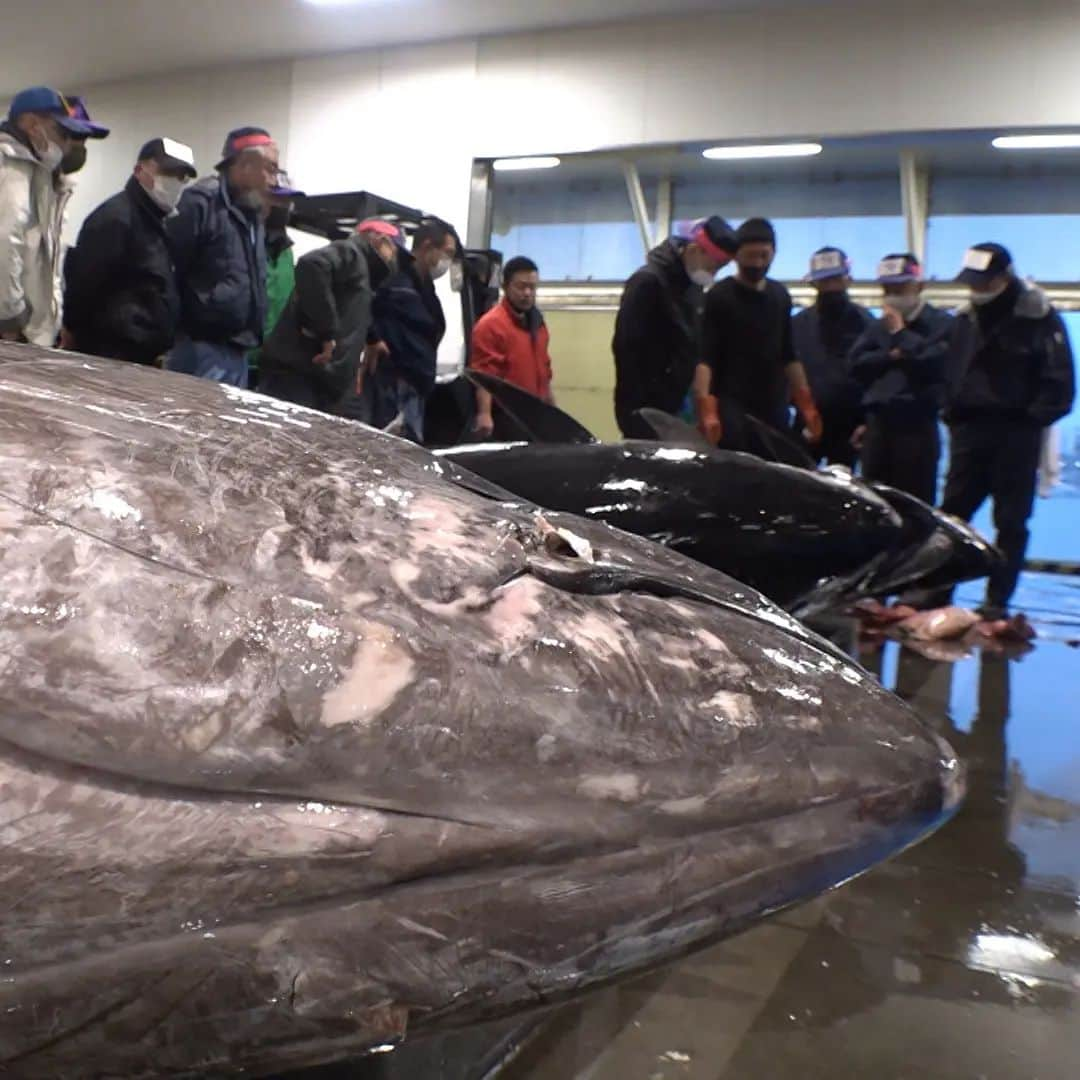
(304, 744)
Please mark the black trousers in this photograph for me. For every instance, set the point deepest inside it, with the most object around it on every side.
(996, 458)
(835, 446)
(300, 390)
(903, 452)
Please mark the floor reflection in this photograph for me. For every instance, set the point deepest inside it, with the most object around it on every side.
(961, 958)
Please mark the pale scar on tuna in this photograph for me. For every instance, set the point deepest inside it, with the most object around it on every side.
(380, 670)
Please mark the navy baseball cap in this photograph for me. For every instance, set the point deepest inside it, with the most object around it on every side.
(70, 114)
(240, 139)
(829, 262)
(898, 269)
(983, 263)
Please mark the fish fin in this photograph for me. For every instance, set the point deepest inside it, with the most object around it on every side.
(543, 421)
(672, 430)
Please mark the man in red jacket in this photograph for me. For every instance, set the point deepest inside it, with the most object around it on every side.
(511, 340)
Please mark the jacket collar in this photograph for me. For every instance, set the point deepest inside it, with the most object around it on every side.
(139, 196)
(532, 320)
(1031, 303)
(249, 218)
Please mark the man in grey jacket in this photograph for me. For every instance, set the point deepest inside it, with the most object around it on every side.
(42, 128)
(313, 354)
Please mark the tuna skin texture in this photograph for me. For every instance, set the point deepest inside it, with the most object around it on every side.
(308, 741)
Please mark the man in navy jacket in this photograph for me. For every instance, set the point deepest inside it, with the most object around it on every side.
(219, 249)
(1009, 377)
(900, 364)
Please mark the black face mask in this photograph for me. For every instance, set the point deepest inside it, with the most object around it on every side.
(74, 158)
(832, 303)
(278, 218)
(753, 274)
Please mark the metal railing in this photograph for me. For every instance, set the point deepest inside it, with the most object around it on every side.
(604, 295)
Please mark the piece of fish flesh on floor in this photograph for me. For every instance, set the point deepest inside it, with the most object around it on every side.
(309, 741)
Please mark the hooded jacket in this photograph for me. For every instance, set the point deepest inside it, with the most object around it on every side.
(32, 205)
(657, 339)
(219, 250)
(903, 375)
(120, 296)
(1011, 360)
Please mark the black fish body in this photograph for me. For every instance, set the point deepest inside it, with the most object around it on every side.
(779, 529)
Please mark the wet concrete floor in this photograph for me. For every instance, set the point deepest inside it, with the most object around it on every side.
(959, 959)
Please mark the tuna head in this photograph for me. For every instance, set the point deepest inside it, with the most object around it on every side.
(305, 745)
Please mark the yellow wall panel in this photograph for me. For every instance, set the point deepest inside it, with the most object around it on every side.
(584, 371)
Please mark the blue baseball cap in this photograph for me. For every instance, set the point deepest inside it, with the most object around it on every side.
(69, 113)
(284, 189)
(829, 262)
(898, 269)
(78, 112)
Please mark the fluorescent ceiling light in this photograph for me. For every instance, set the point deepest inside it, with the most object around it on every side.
(521, 164)
(337, 3)
(746, 153)
(1037, 142)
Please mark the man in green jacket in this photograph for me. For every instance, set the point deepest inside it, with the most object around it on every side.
(280, 263)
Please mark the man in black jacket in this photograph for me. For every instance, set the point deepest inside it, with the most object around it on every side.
(657, 339)
(120, 295)
(1010, 377)
(313, 354)
(823, 336)
(899, 363)
(219, 249)
(401, 361)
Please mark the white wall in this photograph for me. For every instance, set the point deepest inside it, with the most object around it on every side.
(406, 123)
(197, 108)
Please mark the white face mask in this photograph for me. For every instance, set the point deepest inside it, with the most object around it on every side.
(702, 278)
(907, 307)
(981, 298)
(166, 192)
(51, 156)
(441, 267)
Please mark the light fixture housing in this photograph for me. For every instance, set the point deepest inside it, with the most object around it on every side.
(524, 164)
(763, 150)
(1061, 141)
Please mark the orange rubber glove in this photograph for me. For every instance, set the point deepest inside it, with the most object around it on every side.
(708, 414)
(804, 402)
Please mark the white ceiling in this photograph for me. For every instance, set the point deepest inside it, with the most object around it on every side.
(76, 43)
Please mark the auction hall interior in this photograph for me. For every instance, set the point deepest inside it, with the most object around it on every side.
(539, 540)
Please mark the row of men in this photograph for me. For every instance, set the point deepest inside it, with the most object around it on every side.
(999, 372)
(198, 276)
